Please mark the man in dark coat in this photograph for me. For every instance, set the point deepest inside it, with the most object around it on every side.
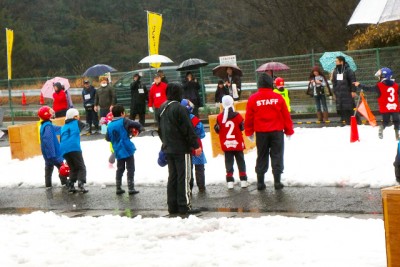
(191, 91)
(88, 96)
(179, 141)
(342, 79)
(139, 96)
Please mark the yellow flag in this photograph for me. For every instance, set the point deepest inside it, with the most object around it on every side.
(154, 24)
(10, 41)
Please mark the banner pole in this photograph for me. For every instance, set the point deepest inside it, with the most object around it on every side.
(9, 81)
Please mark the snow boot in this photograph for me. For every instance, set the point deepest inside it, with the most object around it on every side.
(230, 185)
(131, 187)
(325, 116)
(81, 187)
(260, 182)
(71, 188)
(277, 182)
(380, 133)
(200, 177)
(120, 191)
(319, 116)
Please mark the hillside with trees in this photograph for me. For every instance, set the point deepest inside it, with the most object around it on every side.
(64, 37)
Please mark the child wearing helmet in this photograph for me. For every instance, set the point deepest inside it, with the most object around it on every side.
(197, 161)
(70, 144)
(118, 131)
(50, 146)
(387, 91)
(229, 126)
(280, 85)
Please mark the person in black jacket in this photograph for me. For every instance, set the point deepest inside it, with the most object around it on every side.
(191, 91)
(221, 91)
(345, 92)
(139, 96)
(179, 141)
(231, 82)
(88, 96)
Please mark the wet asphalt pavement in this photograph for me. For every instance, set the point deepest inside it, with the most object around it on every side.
(217, 200)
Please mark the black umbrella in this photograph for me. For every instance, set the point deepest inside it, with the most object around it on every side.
(97, 70)
(220, 71)
(191, 64)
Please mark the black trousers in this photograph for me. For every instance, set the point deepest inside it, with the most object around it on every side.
(345, 115)
(91, 117)
(178, 188)
(230, 157)
(48, 173)
(200, 176)
(395, 119)
(138, 110)
(77, 166)
(128, 164)
(269, 144)
(61, 113)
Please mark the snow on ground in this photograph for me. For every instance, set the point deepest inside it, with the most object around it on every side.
(46, 239)
(313, 157)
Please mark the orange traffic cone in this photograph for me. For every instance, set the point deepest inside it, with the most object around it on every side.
(23, 100)
(354, 130)
(41, 101)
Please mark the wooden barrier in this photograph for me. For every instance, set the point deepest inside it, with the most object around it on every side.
(391, 215)
(24, 139)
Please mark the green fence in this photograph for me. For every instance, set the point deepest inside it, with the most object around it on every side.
(368, 62)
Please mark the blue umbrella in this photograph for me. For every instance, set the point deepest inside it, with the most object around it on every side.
(97, 70)
(328, 60)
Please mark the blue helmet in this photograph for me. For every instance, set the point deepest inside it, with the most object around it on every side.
(187, 104)
(386, 74)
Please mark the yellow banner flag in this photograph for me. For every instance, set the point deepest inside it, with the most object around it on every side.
(154, 24)
(10, 41)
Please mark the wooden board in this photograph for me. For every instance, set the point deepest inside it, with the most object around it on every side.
(216, 146)
(24, 139)
(391, 215)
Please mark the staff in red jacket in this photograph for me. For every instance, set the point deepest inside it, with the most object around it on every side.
(60, 103)
(157, 95)
(268, 117)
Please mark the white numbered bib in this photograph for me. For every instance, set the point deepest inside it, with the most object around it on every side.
(87, 97)
(158, 94)
(141, 91)
(339, 77)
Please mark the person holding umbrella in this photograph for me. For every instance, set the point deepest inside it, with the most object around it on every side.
(60, 103)
(139, 97)
(191, 91)
(105, 97)
(234, 83)
(343, 78)
(157, 95)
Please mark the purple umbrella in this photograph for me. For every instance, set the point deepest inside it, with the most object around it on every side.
(272, 66)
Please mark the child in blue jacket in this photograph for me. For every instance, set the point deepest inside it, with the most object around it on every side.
(197, 161)
(118, 131)
(70, 144)
(50, 145)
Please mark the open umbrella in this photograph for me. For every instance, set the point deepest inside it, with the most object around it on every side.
(272, 66)
(156, 59)
(328, 60)
(220, 71)
(48, 89)
(191, 64)
(97, 70)
(375, 11)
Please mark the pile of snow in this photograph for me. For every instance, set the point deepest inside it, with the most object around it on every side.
(46, 239)
(313, 157)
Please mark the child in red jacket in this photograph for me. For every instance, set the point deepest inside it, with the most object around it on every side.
(60, 101)
(229, 127)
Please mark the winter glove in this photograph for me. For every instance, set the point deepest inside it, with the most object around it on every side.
(251, 138)
(151, 109)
